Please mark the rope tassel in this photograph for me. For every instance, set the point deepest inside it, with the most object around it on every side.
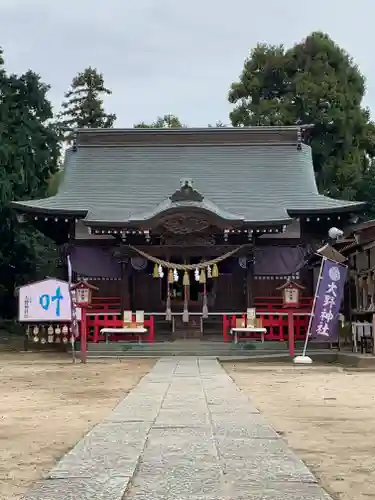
(205, 306)
(155, 274)
(186, 279)
(170, 276)
(185, 314)
(215, 271)
(202, 277)
(168, 312)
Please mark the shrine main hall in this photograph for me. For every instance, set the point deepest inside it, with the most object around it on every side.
(190, 225)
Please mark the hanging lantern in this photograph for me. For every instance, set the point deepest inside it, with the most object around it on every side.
(160, 271)
(209, 272)
(175, 274)
(186, 279)
(170, 276)
(202, 277)
(156, 271)
(196, 274)
(215, 271)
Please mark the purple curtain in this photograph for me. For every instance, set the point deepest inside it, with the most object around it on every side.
(278, 260)
(95, 262)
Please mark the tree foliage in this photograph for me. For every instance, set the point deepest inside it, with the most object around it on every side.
(83, 106)
(315, 82)
(218, 124)
(166, 121)
(29, 152)
(54, 182)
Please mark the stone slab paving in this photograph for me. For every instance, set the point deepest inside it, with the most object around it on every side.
(185, 432)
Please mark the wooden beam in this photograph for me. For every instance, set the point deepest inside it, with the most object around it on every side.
(124, 292)
(211, 251)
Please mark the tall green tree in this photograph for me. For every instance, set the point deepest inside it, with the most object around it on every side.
(29, 152)
(166, 121)
(315, 82)
(84, 106)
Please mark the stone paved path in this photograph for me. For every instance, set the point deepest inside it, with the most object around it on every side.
(186, 432)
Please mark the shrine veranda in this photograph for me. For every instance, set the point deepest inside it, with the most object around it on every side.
(191, 226)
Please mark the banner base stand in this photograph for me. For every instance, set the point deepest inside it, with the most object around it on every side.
(302, 360)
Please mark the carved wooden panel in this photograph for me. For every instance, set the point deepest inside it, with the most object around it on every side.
(189, 240)
(184, 223)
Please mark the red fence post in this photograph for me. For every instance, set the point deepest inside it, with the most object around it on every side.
(96, 330)
(83, 335)
(151, 337)
(291, 333)
(225, 328)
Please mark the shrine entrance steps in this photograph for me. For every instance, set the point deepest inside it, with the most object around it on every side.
(190, 330)
(185, 348)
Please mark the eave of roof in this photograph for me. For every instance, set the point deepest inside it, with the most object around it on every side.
(31, 207)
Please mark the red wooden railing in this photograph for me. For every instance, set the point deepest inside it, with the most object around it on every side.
(106, 303)
(95, 321)
(276, 303)
(276, 323)
(279, 322)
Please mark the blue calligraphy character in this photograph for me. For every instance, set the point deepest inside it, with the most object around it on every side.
(58, 297)
(44, 301)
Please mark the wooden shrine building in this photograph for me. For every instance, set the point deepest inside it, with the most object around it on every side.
(188, 222)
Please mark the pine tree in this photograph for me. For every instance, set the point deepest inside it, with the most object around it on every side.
(83, 106)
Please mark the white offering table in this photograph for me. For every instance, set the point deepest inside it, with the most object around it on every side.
(108, 331)
(250, 329)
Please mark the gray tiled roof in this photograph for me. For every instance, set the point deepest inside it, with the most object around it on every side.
(254, 183)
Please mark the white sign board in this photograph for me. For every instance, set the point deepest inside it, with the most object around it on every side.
(45, 301)
(291, 295)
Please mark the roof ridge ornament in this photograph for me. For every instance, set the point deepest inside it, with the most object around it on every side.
(186, 192)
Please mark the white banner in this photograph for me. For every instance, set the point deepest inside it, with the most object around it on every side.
(45, 301)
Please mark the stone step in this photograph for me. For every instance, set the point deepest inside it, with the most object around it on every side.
(160, 354)
(184, 348)
(187, 346)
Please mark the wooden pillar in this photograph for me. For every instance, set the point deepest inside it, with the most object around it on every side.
(125, 292)
(249, 282)
(83, 335)
(291, 333)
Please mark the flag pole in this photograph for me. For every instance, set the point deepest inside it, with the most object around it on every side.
(73, 313)
(313, 307)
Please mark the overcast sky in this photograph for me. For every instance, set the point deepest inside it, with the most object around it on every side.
(171, 56)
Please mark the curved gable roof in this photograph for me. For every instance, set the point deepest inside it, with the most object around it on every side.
(257, 183)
